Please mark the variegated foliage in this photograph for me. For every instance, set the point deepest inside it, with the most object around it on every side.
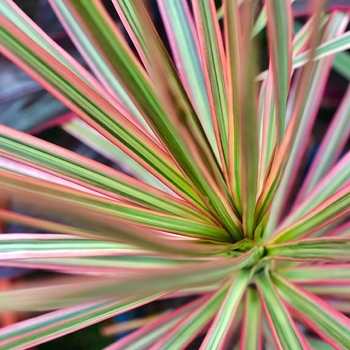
(215, 204)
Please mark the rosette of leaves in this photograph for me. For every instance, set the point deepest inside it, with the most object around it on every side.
(217, 207)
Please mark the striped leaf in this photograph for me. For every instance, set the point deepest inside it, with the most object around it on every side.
(329, 323)
(310, 82)
(330, 148)
(213, 57)
(183, 40)
(186, 330)
(219, 331)
(335, 179)
(65, 199)
(89, 105)
(66, 291)
(317, 274)
(25, 148)
(145, 336)
(279, 26)
(285, 332)
(40, 329)
(243, 122)
(336, 206)
(312, 249)
(252, 322)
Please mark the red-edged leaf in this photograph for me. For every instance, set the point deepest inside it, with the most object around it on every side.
(327, 322)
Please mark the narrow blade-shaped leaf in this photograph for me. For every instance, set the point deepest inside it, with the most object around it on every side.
(312, 249)
(148, 99)
(273, 189)
(252, 322)
(243, 123)
(194, 323)
(88, 104)
(219, 330)
(98, 64)
(335, 179)
(332, 144)
(25, 148)
(336, 206)
(64, 199)
(40, 329)
(279, 26)
(212, 54)
(329, 323)
(144, 337)
(284, 330)
(317, 274)
(65, 292)
(180, 28)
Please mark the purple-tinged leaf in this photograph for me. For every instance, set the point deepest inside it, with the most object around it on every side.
(278, 171)
(90, 105)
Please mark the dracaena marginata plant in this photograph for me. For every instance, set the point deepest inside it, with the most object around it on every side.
(216, 203)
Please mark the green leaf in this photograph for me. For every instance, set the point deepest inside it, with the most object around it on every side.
(243, 120)
(155, 57)
(37, 330)
(319, 344)
(154, 101)
(330, 148)
(341, 291)
(97, 62)
(251, 337)
(342, 64)
(145, 336)
(268, 130)
(22, 246)
(86, 134)
(179, 26)
(336, 206)
(32, 151)
(219, 330)
(92, 107)
(66, 198)
(212, 53)
(261, 21)
(285, 332)
(188, 328)
(110, 229)
(279, 26)
(327, 274)
(335, 179)
(329, 323)
(312, 249)
(308, 85)
(330, 47)
(70, 290)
